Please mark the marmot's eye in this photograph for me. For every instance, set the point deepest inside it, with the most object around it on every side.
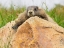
(35, 9)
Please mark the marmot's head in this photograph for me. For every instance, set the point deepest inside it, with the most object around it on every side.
(32, 11)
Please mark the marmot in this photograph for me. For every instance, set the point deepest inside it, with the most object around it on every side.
(30, 12)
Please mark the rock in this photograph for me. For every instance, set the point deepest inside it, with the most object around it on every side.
(38, 33)
(6, 34)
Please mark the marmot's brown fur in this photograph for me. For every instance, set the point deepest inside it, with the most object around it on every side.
(30, 12)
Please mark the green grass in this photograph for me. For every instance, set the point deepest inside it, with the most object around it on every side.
(7, 15)
(57, 14)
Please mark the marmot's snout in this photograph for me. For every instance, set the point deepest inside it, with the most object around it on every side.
(30, 13)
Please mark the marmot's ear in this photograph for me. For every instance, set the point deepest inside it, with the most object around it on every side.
(37, 7)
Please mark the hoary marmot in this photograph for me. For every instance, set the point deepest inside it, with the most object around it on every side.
(30, 12)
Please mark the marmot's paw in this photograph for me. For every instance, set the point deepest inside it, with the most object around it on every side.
(14, 27)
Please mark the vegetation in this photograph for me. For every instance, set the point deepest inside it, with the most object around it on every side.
(57, 14)
(7, 15)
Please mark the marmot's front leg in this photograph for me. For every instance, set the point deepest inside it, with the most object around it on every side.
(21, 18)
(18, 22)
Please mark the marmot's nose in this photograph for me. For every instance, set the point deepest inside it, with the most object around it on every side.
(30, 12)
